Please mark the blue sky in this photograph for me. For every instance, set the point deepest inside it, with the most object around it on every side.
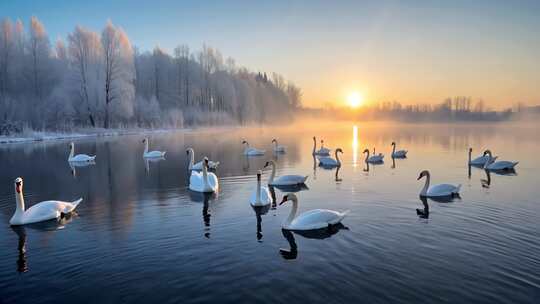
(410, 51)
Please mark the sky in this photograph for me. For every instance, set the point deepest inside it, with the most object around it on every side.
(407, 51)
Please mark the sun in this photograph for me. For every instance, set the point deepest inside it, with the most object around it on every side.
(355, 100)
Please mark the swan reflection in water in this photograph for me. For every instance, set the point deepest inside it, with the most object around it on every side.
(319, 234)
(46, 227)
(148, 160)
(259, 212)
(423, 213)
(205, 199)
(337, 178)
(74, 165)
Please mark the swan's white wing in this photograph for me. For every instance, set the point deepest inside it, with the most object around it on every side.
(328, 161)
(195, 181)
(502, 164)
(154, 154)
(43, 211)
(316, 219)
(197, 166)
(480, 160)
(442, 190)
(82, 158)
(213, 181)
(266, 198)
(290, 180)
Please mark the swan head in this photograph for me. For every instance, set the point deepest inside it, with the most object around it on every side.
(470, 150)
(18, 184)
(274, 141)
(244, 142)
(422, 174)
(259, 174)
(488, 152)
(144, 140)
(393, 143)
(71, 145)
(288, 197)
(206, 161)
(268, 163)
(339, 150)
(366, 151)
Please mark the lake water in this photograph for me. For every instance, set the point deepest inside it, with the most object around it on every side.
(141, 236)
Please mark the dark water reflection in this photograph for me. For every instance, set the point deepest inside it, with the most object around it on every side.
(141, 236)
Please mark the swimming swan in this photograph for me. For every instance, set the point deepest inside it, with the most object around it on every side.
(261, 196)
(78, 157)
(39, 212)
(151, 153)
(248, 151)
(479, 161)
(310, 220)
(375, 158)
(322, 151)
(437, 190)
(198, 166)
(204, 181)
(278, 148)
(327, 161)
(284, 180)
(399, 153)
(491, 164)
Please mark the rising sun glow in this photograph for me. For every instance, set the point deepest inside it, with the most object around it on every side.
(355, 100)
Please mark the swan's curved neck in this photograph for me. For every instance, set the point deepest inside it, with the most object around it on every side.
(71, 151)
(275, 143)
(367, 155)
(258, 190)
(191, 158)
(314, 145)
(470, 153)
(337, 158)
(426, 185)
(19, 198)
(292, 214)
(205, 176)
(273, 174)
(489, 161)
(393, 148)
(146, 146)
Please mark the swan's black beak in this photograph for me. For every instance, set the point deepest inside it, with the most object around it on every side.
(187, 152)
(285, 198)
(419, 177)
(266, 165)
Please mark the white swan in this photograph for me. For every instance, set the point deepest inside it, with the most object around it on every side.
(78, 157)
(480, 160)
(198, 166)
(491, 164)
(322, 151)
(261, 196)
(151, 153)
(328, 161)
(278, 148)
(284, 180)
(437, 190)
(374, 158)
(203, 181)
(39, 212)
(399, 153)
(310, 220)
(248, 151)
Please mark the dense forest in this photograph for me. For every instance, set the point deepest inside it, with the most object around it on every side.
(100, 80)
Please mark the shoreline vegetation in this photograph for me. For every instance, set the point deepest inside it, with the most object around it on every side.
(98, 79)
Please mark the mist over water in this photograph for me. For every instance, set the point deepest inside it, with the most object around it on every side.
(142, 236)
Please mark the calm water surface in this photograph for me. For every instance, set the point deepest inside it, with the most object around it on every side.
(141, 236)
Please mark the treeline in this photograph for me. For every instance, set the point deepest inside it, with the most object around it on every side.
(98, 79)
(460, 108)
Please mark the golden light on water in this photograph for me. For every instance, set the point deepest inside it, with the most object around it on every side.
(355, 100)
(355, 145)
